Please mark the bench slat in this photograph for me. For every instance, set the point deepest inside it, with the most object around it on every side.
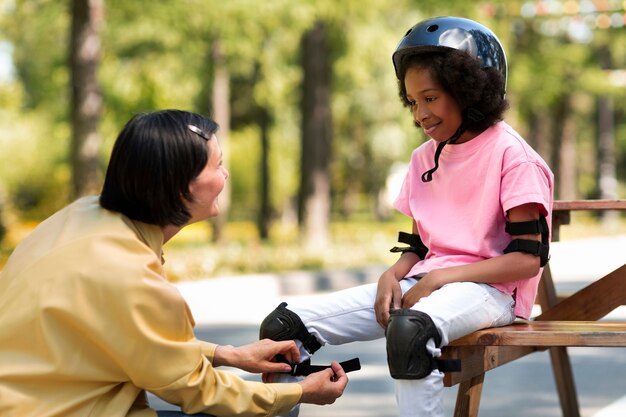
(547, 334)
(567, 205)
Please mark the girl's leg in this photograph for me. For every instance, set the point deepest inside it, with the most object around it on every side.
(340, 317)
(456, 309)
(337, 318)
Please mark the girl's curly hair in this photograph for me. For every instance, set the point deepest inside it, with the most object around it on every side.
(461, 76)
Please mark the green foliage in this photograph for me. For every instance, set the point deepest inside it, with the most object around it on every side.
(149, 61)
(32, 163)
(188, 257)
(158, 55)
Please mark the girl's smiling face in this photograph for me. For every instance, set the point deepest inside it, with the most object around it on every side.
(433, 108)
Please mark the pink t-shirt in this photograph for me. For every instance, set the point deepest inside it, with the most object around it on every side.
(460, 214)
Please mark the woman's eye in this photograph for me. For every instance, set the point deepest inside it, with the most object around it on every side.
(429, 99)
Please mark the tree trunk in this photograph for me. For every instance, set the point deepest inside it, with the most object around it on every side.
(539, 137)
(607, 170)
(314, 197)
(86, 98)
(3, 229)
(562, 162)
(221, 115)
(265, 209)
(568, 173)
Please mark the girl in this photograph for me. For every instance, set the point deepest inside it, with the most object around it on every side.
(478, 196)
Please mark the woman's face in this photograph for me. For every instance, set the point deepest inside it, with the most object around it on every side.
(207, 186)
(433, 109)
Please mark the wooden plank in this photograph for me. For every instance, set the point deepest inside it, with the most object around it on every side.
(564, 380)
(476, 360)
(561, 205)
(468, 397)
(550, 333)
(561, 366)
(592, 302)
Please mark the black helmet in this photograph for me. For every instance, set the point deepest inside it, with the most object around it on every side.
(452, 33)
(441, 33)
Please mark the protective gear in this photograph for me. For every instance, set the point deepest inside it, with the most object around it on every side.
(452, 33)
(532, 227)
(408, 332)
(415, 245)
(284, 324)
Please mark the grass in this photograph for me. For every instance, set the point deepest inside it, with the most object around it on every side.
(352, 245)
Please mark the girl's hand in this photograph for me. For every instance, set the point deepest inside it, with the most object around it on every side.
(388, 296)
(424, 287)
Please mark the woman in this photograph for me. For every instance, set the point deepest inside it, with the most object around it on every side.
(88, 321)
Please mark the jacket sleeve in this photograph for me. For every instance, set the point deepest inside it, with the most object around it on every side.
(152, 340)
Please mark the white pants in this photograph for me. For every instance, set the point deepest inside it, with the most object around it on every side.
(456, 309)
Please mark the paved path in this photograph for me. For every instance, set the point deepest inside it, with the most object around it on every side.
(229, 311)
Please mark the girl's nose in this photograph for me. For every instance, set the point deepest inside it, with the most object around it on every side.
(422, 113)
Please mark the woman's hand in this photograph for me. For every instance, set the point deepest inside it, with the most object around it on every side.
(258, 357)
(324, 387)
(424, 287)
(388, 296)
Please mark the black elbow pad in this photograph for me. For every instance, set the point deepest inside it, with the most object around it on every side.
(533, 247)
(415, 245)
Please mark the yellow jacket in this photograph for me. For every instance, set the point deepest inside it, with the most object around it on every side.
(88, 324)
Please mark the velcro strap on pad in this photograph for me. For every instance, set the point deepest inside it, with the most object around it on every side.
(409, 239)
(448, 365)
(532, 227)
(305, 368)
(415, 244)
(532, 247)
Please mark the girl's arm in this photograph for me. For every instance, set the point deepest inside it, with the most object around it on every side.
(509, 267)
(389, 294)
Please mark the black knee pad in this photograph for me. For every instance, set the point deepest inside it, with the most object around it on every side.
(408, 332)
(284, 324)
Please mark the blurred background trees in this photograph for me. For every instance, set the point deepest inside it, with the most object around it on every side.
(311, 125)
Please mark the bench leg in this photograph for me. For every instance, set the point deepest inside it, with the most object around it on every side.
(468, 397)
(564, 381)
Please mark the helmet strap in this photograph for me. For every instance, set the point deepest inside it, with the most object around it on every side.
(469, 115)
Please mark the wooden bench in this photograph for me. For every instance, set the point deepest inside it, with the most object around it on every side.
(571, 321)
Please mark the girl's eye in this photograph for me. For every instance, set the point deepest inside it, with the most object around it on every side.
(429, 99)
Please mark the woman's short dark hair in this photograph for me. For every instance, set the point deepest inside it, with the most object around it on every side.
(461, 76)
(154, 159)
